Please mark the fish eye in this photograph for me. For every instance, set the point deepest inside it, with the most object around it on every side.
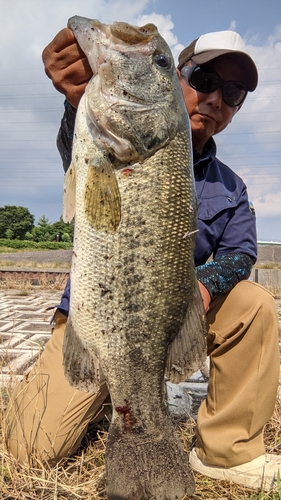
(163, 61)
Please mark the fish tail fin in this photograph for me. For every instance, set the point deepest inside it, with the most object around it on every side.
(81, 367)
(148, 463)
(188, 351)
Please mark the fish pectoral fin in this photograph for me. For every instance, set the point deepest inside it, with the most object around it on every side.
(187, 352)
(69, 194)
(102, 196)
(81, 367)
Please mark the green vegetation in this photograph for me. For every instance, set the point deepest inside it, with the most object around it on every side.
(268, 265)
(8, 246)
(15, 221)
(17, 230)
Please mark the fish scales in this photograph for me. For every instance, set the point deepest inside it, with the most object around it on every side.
(132, 276)
(138, 277)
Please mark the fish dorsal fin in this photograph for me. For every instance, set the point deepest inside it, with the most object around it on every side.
(133, 34)
(102, 196)
(69, 194)
(187, 352)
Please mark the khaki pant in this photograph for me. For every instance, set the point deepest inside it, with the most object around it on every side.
(48, 418)
(244, 355)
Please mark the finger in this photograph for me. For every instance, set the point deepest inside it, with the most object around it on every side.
(61, 52)
(69, 56)
(72, 80)
(63, 39)
(75, 74)
(75, 93)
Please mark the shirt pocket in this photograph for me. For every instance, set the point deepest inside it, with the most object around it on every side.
(209, 208)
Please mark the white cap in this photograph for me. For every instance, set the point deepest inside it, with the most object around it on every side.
(213, 45)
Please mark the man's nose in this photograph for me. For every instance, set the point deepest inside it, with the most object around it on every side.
(215, 98)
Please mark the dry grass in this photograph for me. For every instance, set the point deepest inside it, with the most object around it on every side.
(209, 489)
(276, 292)
(268, 265)
(24, 264)
(24, 286)
(82, 476)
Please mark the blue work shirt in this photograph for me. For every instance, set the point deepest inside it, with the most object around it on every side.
(225, 222)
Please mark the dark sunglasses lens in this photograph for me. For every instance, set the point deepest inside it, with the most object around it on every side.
(208, 81)
(233, 93)
(204, 81)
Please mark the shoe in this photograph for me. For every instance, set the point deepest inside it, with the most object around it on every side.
(261, 473)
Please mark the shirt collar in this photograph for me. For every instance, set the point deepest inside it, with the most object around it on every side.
(201, 161)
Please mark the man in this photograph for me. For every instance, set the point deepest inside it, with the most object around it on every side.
(49, 418)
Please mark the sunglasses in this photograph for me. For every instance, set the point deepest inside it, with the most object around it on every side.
(206, 80)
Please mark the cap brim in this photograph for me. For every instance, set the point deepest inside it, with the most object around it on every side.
(245, 61)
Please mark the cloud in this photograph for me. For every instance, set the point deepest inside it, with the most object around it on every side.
(251, 145)
(31, 109)
(233, 26)
(165, 27)
(268, 205)
(35, 22)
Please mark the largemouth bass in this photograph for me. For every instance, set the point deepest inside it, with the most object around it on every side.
(135, 309)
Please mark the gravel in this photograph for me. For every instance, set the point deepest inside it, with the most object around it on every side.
(266, 253)
(44, 256)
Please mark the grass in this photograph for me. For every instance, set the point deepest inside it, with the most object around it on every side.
(34, 264)
(82, 476)
(8, 250)
(25, 286)
(268, 265)
(77, 478)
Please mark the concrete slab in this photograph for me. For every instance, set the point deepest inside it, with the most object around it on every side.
(24, 330)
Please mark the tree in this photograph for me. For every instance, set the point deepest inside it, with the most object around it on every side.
(28, 236)
(62, 228)
(16, 219)
(42, 231)
(9, 234)
(66, 237)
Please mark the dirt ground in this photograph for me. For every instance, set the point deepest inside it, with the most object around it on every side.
(43, 256)
(64, 256)
(266, 253)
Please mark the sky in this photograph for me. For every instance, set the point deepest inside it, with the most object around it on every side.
(31, 173)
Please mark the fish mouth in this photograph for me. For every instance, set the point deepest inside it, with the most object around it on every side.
(118, 31)
(114, 95)
(119, 36)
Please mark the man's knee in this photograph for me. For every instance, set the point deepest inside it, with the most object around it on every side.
(248, 292)
(247, 297)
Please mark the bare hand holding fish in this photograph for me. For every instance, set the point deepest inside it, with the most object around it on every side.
(135, 307)
(67, 66)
